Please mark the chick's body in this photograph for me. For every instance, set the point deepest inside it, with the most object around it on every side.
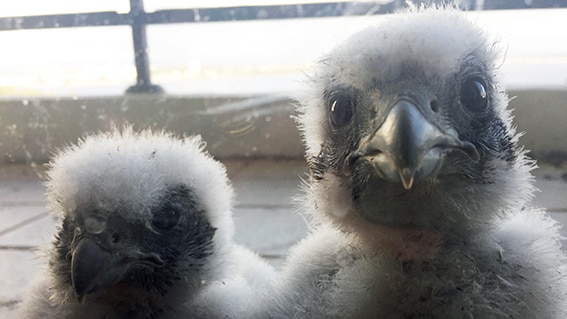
(146, 231)
(419, 192)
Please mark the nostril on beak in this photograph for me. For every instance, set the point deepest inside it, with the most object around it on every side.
(349, 162)
(116, 238)
(434, 105)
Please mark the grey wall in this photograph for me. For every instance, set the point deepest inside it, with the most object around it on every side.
(31, 129)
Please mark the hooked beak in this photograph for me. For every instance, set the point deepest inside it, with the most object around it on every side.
(93, 268)
(408, 147)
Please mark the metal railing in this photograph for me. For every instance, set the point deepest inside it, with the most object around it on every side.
(137, 18)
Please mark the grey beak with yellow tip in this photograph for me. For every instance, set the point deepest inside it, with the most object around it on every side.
(408, 147)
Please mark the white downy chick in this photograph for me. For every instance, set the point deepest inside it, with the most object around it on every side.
(420, 193)
(146, 232)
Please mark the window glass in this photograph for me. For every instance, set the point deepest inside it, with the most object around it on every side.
(69, 68)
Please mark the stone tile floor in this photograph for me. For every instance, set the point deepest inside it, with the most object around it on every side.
(265, 216)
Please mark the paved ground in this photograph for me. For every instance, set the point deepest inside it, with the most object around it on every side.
(265, 217)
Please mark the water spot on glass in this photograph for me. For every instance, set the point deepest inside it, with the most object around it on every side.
(18, 22)
(12, 129)
(262, 14)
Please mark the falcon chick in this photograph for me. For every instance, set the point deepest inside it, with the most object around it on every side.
(146, 232)
(419, 191)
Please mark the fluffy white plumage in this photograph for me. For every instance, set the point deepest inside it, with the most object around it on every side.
(168, 204)
(440, 227)
(451, 235)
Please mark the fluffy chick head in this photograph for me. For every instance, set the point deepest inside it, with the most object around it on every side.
(406, 127)
(142, 214)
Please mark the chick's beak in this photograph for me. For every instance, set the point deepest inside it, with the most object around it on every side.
(409, 147)
(94, 268)
(87, 265)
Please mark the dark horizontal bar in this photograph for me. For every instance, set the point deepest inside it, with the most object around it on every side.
(64, 21)
(309, 10)
(248, 13)
(331, 9)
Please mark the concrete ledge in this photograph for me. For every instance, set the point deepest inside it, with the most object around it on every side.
(234, 127)
(30, 130)
(542, 116)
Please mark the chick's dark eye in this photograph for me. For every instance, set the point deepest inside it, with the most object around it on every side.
(473, 95)
(340, 109)
(165, 220)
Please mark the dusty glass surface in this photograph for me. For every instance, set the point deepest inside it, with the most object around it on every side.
(232, 82)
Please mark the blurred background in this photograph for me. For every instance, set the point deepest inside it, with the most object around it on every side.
(227, 69)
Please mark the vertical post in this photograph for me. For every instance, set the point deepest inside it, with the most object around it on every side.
(143, 81)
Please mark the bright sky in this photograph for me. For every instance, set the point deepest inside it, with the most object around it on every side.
(43, 7)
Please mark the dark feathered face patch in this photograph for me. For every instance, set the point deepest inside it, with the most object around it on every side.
(399, 145)
(105, 257)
